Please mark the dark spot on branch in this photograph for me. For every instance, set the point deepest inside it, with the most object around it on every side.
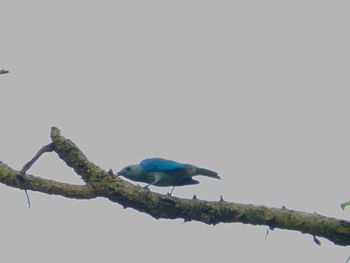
(20, 177)
(271, 223)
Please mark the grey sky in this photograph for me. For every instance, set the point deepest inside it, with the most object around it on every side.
(255, 90)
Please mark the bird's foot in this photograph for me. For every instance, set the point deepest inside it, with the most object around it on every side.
(146, 187)
(110, 171)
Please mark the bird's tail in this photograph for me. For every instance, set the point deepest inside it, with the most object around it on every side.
(206, 172)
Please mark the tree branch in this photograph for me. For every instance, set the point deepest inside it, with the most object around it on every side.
(104, 184)
(9, 176)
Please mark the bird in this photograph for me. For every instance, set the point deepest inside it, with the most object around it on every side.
(162, 172)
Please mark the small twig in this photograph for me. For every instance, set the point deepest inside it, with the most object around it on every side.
(4, 71)
(27, 195)
(317, 241)
(267, 233)
(47, 148)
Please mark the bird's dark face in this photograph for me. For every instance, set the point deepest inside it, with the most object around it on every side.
(130, 171)
(124, 171)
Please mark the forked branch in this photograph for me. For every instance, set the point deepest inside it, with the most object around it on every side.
(101, 183)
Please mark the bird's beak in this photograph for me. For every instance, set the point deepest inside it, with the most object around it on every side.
(120, 173)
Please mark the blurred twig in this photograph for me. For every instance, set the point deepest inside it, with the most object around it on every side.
(4, 71)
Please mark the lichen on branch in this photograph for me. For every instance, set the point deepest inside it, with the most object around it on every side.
(101, 183)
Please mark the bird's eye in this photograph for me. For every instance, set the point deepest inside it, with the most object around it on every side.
(128, 168)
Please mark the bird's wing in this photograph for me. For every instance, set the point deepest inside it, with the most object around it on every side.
(160, 164)
(186, 181)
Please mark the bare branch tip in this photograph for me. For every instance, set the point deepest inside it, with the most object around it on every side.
(55, 132)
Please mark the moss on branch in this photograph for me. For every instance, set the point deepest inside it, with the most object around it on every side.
(9, 176)
(104, 184)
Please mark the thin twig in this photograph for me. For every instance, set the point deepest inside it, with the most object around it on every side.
(267, 233)
(22, 174)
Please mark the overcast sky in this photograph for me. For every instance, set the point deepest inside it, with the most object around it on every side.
(255, 90)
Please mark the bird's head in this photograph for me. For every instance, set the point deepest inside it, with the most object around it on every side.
(130, 171)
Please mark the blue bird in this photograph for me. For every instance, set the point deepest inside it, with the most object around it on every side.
(162, 172)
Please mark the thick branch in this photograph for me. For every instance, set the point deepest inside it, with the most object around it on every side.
(105, 184)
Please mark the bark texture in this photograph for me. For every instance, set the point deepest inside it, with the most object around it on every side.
(101, 183)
